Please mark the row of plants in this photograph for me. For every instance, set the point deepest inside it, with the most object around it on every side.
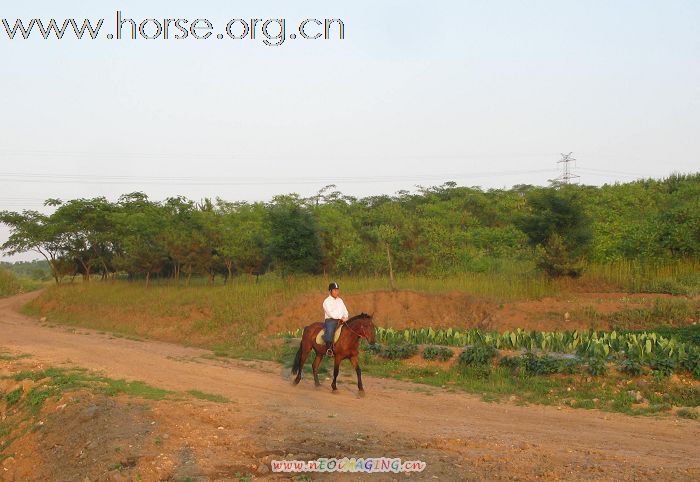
(640, 345)
(483, 355)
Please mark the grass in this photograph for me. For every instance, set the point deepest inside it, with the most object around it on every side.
(208, 396)
(11, 284)
(679, 277)
(8, 357)
(663, 312)
(204, 315)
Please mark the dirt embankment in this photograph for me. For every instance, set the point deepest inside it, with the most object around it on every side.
(410, 309)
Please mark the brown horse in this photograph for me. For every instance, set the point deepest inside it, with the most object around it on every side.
(347, 347)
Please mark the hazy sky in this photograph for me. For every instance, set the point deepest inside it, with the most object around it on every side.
(480, 92)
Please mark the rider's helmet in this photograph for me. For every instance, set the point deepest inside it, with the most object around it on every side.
(333, 286)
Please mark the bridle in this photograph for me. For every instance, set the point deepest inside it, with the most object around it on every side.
(354, 332)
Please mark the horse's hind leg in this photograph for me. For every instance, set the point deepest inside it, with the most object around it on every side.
(315, 365)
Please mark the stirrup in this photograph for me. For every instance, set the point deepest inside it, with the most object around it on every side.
(329, 352)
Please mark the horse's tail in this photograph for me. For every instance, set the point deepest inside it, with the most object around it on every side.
(297, 361)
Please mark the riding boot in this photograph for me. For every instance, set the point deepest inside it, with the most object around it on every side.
(329, 348)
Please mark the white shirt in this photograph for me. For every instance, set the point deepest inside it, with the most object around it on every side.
(334, 308)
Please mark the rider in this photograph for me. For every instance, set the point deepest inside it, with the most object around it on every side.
(335, 311)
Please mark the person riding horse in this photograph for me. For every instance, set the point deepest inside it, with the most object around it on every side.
(335, 312)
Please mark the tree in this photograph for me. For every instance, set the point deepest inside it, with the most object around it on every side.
(243, 231)
(34, 231)
(139, 227)
(558, 224)
(294, 244)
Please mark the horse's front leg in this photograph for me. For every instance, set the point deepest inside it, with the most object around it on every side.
(304, 353)
(336, 369)
(315, 365)
(356, 363)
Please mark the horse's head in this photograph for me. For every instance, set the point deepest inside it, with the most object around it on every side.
(364, 327)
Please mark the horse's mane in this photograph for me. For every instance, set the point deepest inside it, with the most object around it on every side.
(359, 317)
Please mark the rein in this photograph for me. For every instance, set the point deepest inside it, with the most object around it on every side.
(353, 331)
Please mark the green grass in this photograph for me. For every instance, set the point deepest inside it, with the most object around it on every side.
(208, 396)
(680, 277)
(7, 357)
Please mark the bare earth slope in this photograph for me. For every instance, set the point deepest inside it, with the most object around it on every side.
(458, 435)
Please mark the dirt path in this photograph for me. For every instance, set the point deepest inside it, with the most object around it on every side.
(458, 435)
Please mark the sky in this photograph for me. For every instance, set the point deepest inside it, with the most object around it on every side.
(483, 93)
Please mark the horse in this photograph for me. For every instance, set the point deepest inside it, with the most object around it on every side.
(347, 347)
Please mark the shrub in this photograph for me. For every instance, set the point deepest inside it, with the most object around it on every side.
(437, 353)
(477, 355)
(570, 366)
(663, 367)
(597, 366)
(539, 365)
(512, 362)
(631, 366)
(400, 351)
(691, 362)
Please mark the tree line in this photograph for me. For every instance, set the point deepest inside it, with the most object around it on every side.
(435, 230)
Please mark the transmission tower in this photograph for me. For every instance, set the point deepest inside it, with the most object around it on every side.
(567, 163)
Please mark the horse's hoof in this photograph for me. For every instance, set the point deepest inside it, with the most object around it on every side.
(317, 384)
(361, 393)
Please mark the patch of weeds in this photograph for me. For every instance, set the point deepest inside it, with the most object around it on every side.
(243, 477)
(663, 367)
(539, 365)
(399, 351)
(477, 355)
(208, 396)
(687, 413)
(6, 357)
(597, 367)
(135, 388)
(437, 353)
(511, 362)
(13, 397)
(631, 366)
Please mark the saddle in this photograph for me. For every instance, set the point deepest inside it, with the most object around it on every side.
(319, 337)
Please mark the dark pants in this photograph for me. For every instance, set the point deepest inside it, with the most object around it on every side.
(329, 324)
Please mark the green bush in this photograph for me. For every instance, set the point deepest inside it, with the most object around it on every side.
(570, 366)
(512, 362)
(400, 351)
(437, 353)
(631, 366)
(540, 365)
(691, 362)
(663, 366)
(477, 355)
(597, 366)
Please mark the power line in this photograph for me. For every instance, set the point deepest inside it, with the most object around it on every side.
(231, 181)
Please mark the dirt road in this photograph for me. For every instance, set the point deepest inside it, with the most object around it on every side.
(458, 435)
